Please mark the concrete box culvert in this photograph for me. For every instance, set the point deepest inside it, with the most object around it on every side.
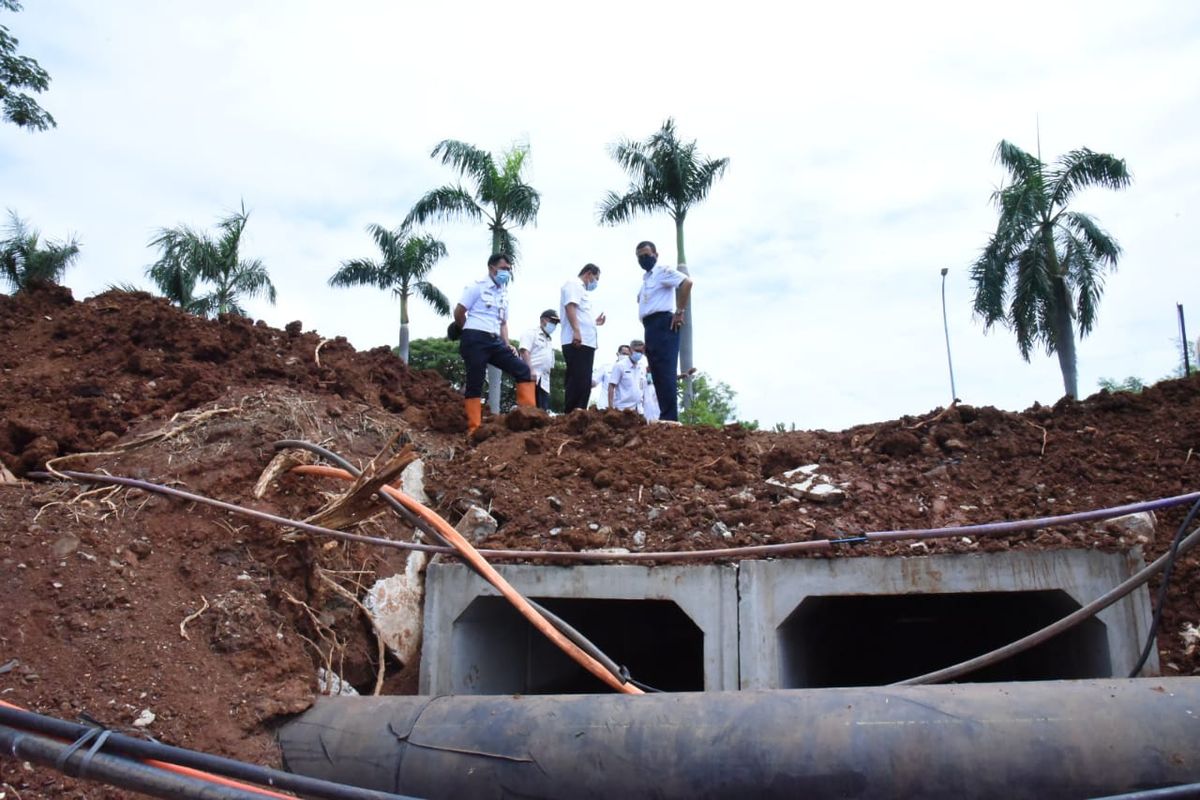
(871, 621)
(675, 628)
(785, 624)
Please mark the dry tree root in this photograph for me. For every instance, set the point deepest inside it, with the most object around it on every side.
(1040, 428)
(934, 419)
(192, 616)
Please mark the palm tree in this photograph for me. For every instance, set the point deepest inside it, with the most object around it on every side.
(666, 175)
(406, 262)
(27, 262)
(190, 256)
(500, 195)
(1045, 261)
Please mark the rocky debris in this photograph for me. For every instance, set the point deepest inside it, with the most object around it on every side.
(330, 683)
(1140, 527)
(811, 486)
(1190, 634)
(394, 606)
(144, 719)
(412, 482)
(476, 524)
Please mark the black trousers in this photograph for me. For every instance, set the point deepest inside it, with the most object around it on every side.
(543, 398)
(478, 349)
(578, 384)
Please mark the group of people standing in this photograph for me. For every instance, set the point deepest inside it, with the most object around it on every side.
(482, 317)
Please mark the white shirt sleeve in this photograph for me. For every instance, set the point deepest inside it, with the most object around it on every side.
(470, 296)
(614, 377)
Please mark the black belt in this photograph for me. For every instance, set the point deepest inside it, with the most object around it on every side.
(482, 333)
(657, 314)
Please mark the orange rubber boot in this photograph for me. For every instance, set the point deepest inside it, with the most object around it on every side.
(526, 396)
(473, 406)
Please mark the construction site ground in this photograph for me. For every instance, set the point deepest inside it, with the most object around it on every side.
(117, 601)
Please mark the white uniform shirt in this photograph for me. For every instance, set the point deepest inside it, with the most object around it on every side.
(541, 355)
(599, 394)
(627, 377)
(573, 291)
(658, 290)
(650, 409)
(486, 305)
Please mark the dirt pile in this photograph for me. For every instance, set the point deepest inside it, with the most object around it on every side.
(119, 601)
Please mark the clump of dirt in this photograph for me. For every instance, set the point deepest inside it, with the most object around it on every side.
(118, 600)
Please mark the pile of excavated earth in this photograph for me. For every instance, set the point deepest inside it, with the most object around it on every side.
(206, 629)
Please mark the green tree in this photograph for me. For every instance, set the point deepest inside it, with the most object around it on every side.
(712, 403)
(666, 175)
(21, 72)
(1132, 384)
(191, 257)
(499, 194)
(26, 261)
(1042, 271)
(441, 356)
(407, 260)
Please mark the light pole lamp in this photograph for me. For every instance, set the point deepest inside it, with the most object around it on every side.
(946, 328)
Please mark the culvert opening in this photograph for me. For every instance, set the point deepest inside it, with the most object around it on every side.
(496, 651)
(870, 640)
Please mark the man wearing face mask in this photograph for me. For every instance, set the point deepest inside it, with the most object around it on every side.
(579, 335)
(661, 303)
(537, 350)
(625, 381)
(482, 314)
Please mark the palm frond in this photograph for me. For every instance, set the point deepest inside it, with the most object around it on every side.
(359, 272)
(434, 297)
(1100, 245)
(1083, 168)
(466, 159)
(445, 202)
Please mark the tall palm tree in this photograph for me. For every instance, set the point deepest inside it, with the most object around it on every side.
(406, 261)
(499, 195)
(26, 261)
(190, 256)
(1045, 261)
(666, 175)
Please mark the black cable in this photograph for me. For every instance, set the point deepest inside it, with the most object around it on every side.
(1191, 790)
(120, 744)
(1162, 589)
(117, 771)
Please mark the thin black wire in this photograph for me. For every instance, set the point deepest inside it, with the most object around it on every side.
(1162, 589)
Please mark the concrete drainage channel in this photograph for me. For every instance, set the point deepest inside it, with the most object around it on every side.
(791, 655)
(788, 624)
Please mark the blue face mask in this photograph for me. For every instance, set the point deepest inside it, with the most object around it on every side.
(635, 356)
(550, 327)
(503, 277)
(591, 285)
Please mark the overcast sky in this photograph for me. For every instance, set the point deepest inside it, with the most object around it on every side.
(861, 140)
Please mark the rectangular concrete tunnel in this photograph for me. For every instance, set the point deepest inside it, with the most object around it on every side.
(778, 624)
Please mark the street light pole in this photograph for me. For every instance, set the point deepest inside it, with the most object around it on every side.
(946, 327)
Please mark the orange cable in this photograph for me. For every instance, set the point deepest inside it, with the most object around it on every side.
(178, 769)
(493, 577)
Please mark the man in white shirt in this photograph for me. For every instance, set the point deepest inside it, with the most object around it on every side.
(537, 350)
(482, 317)
(625, 381)
(579, 335)
(661, 302)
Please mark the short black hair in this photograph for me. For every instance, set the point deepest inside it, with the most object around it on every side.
(496, 258)
(646, 244)
(592, 268)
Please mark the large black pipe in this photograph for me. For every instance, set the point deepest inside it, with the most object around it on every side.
(1058, 739)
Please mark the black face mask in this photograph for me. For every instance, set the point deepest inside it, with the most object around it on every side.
(647, 262)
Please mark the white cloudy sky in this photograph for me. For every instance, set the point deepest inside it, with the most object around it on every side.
(861, 139)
